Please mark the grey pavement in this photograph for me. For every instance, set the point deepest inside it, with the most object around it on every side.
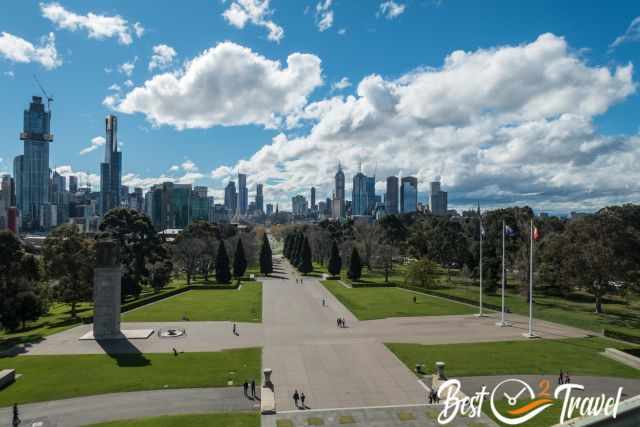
(405, 416)
(119, 406)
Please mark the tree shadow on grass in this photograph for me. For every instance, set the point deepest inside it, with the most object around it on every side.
(124, 352)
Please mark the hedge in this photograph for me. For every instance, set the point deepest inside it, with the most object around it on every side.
(609, 333)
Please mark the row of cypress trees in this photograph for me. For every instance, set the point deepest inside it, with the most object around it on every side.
(298, 251)
(223, 271)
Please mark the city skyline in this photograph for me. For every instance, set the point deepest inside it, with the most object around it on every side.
(574, 151)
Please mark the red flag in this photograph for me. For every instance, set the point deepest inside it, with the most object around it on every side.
(536, 234)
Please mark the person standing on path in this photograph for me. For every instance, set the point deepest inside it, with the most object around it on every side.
(245, 386)
(253, 388)
(16, 416)
(302, 397)
(235, 329)
(296, 396)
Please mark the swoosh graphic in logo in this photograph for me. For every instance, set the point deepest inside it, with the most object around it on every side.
(529, 406)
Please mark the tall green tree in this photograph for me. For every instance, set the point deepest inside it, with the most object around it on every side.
(140, 246)
(69, 259)
(266, 256)
(355, 265)
(19, 283)
(420, 273)
(223, 271)
(306, 265)
(239, 261)
(335, 262)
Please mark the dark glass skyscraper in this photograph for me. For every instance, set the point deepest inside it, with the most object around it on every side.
(31, 170)
(231, 198)
(259, 199)
(243, 194)
(111, 169)
(409, 194)
(391, 198)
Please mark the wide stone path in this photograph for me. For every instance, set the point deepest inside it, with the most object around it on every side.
(82, 411)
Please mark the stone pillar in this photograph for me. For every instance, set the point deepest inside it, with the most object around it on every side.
(106, 290)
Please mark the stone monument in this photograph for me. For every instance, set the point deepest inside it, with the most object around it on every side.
(106, 291)
(107, 277)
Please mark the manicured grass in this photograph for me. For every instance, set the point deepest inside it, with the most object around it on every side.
(243, 305)
(60, 377)
(580, 356)
(380, 303)
(621, 315)
(199, 420)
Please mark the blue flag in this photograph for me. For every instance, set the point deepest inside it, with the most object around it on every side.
(508, 231)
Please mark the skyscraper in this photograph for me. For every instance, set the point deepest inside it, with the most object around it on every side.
(171, 205)
(337, 204)
(359, 197)
(31, 169)
(299, 205)
(73, 184)
(111, 168)
(259, 199)
(243, 194)
(313, 198)
(391, 199)
(230, 197)
(437, 198)
(409, 194)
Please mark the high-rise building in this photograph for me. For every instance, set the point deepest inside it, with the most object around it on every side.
(111, 168)
(437, 199)
(31, 169)
(409, 194)
(73, 184)
(231, 198)
(259, 199)
(337, 204)
(200, 204)
(7, 191)
(391, 198)
(171, 205)
(269, 209)
(243, 194)
(299, 205)
(359, 197)
(313, 198)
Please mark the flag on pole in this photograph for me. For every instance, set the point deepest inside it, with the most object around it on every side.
(536, 234)
(482, 233)
(508, 231)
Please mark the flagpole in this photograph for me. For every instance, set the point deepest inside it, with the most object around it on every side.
(502, 322)
(480, 313)
(531, 334)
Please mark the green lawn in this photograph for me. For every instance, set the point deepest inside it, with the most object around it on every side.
(244, 305)
(380, 303)
(60, 377)
(580, 356)
(200, 420)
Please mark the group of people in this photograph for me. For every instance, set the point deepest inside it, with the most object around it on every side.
(341, 322)
(433, 397)
(299, 397)
(299, 280)
(253, 389)
(564, 378)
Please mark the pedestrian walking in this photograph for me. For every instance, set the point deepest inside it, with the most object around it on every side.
(323, 303)
(245, 386)
(302, 397)
(296, 396)
(415, 300)
(567, 380)
(175, 352)
(235, 329)
(253, 388)
(344, 323)
(338, 321)
(561, 377)
(16, 416)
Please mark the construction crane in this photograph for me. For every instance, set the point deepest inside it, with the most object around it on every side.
(49, 99)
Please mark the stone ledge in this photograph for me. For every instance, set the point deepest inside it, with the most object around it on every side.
(132, 334)
(7, 376)
(622, 357)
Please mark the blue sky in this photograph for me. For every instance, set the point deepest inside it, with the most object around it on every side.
(573, 147)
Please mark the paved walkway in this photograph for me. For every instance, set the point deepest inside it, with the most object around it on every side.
(119, 406)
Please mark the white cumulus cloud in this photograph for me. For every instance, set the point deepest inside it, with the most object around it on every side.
(128, 67)
(225, 85)
(162, 57)
(95, 143)
(17, 49)
(324, 15)
(97, 26)
(343, 83)
(256, 12)
(512, 124)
